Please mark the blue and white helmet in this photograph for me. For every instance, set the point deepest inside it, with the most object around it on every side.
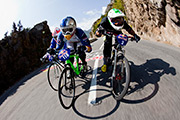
(68, 27)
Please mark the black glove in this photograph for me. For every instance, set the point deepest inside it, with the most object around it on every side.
(137, 38)
(51, 51)
(99, 30)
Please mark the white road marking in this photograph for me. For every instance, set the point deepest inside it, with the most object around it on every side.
(101, 46)
(92, 91)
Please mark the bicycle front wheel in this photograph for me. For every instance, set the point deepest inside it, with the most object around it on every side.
(66, 88)
(121, 81)
(53, 75)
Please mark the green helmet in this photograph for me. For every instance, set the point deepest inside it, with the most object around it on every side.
(116, 18)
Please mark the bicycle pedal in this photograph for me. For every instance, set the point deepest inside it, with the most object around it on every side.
(82, 74)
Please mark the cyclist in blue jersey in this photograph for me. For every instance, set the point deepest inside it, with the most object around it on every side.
(73, 38)
(54, 40)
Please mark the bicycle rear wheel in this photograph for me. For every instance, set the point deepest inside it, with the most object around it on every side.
(66, 88)
(120, 82)
(53, 75)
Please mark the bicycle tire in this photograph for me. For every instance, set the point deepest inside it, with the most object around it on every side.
(66, 85)
(53, 75)
(120, 86)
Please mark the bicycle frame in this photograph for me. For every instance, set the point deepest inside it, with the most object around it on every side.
(76, 69)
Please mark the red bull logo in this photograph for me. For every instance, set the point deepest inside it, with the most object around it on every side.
(123, 37)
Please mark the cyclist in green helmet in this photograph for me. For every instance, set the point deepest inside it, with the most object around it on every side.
(113, 23)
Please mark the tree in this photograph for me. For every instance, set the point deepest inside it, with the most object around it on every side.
(20, 26)
(5, 35)
(14, 27)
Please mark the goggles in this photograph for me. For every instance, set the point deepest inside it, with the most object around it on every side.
(67, 30)
(118, 21)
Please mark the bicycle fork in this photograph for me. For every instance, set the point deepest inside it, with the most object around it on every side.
(117, 77)
(115, 64)
(115, 60)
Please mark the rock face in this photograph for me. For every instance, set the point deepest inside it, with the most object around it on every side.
(155, 19)
(20, 53)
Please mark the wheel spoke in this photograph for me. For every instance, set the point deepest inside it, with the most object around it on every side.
(121, 80)
(53, 75)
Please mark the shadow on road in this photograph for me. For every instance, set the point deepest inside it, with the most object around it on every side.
(110, 111)
(85, 85)
(147, 73)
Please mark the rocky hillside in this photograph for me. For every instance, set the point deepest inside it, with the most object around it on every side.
(20, 53)
(153, 19)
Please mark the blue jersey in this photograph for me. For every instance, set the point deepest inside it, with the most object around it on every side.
(78, 37)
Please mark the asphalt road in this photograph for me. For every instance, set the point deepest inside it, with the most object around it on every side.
(153, 93)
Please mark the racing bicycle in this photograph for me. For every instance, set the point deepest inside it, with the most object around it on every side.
(66, 87)
(54, 69)
(120, 78)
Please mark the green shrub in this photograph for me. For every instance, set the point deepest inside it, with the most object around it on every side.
(119, 4)
(97, 23)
